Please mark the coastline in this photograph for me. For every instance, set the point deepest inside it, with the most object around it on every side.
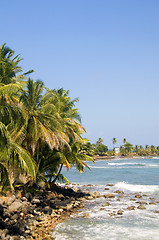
(33, 216)
(96, 158)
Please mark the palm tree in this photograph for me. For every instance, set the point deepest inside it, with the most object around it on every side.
(9, 66)
(40, 127)
(14, 160)
(114, 142)
(124, 140)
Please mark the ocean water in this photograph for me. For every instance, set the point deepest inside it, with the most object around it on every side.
(133, 176)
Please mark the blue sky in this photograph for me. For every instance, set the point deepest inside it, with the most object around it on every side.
(106, 52)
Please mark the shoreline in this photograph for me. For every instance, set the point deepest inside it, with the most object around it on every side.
(33, 216)
(118, 157)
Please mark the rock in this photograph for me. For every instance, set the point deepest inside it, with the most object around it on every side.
(35, 201)
(15, 216)
(120, 212)
(131, 208)
(110, 184)
(112, 213)
(102, 208)
(141, 207)
(15, 206)
(11, 199)
(2, 202)
(118, 199)
(141, 203)
(24, 199)
(105, 204)
(69, 207)
(138, 196)
(28, 196)
(96, 194)
(157, 211)
(118, 191)
(85, 215)
(133, 199)
(109, 195)
(48, 210)
(107, 188)
(1, 210)
(89, 197)
(152, 203)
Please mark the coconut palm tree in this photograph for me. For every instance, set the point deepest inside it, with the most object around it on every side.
(124, 140)
(114, 142)
(10, 71)
(40, 127)
(14, 160)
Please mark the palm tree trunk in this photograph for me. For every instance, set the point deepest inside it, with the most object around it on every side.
(53, 182)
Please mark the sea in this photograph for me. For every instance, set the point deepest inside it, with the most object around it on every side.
(99, 222)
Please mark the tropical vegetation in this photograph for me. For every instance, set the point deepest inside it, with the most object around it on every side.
(40, 129)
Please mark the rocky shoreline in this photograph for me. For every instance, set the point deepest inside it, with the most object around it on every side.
(34, 215)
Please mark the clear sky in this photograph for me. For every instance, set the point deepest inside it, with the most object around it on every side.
(106, 52)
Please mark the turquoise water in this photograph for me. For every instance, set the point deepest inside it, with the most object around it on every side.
(133, 176)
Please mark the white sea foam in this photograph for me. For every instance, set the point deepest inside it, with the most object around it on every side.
(126, 163)
(137, 188)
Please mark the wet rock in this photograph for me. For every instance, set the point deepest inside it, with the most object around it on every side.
(120, 212)
(157, 211)
(89, 197)
(111, 213)
(133, 199)
(96, 194)
(110, 184)
(85, 215)
(141, 203)
(141, 207)
(131, 208)
(107, 188)
(118, 199)
(138, 196)
(106, 204)
(119, 192)
(109, 195)
(152, 203)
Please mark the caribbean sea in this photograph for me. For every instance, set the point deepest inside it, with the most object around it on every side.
(132, 176)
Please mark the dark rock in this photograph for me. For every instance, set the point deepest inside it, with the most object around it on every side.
(1, 210)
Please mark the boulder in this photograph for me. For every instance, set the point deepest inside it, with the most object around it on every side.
(106, 204)
(120, 212)
(109, 195)
(138, 196)
(131, 208)
(119, 192)
(141, 207)
(35, 201)
(110, 184)
(107, 188)
(11, 199)
(15, 206)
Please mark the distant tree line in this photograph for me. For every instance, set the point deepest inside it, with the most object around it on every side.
(124, 150)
